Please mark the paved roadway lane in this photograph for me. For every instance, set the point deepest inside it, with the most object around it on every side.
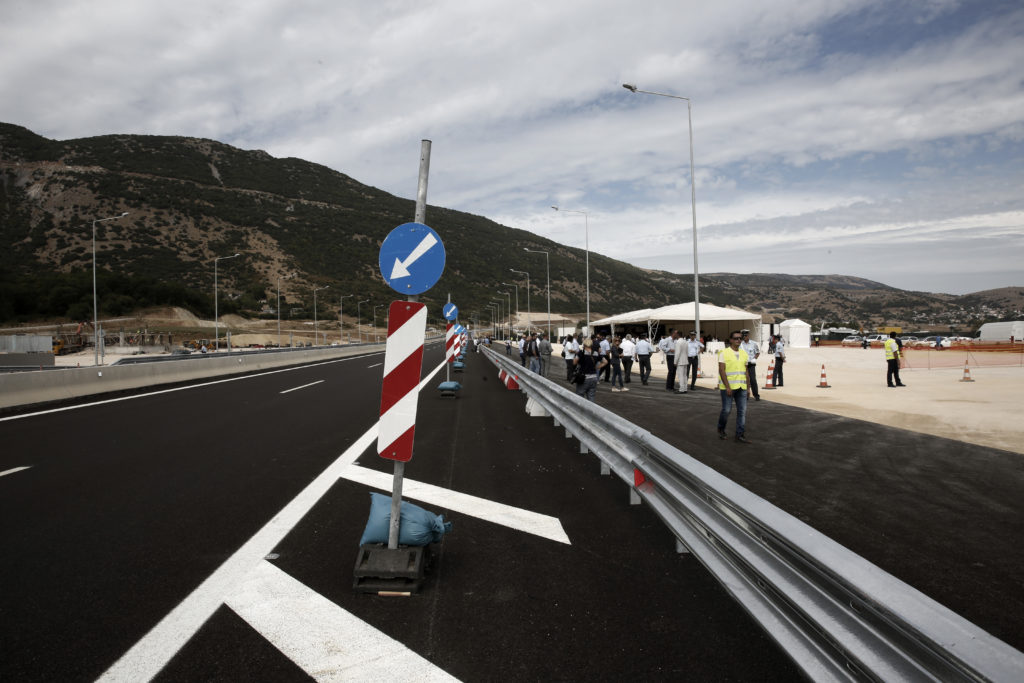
(614, 603)
(126, 506)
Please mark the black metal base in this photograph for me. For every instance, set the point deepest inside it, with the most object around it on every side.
(380, 569)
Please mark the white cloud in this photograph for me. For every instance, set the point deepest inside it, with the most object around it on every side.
(813, 120)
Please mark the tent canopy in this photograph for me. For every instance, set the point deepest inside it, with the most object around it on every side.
(715, 321)
(796, 332)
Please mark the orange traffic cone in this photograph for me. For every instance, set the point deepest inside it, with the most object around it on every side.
(768, 381)
(967, 373)
(824, 382)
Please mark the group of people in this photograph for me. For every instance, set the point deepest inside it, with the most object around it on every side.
(534, 351)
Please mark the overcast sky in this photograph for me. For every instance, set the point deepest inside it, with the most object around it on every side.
(875, 138)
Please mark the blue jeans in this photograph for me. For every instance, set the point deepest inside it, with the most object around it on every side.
(740, 397)
(589, 387)
(535, 364)
(617, 374)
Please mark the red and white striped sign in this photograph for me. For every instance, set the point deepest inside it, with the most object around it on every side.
(403, 361)
(449, 343)
(458, 345)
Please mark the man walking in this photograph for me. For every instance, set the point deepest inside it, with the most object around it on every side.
(643, 356)
(732, 385)
(892, 360)
(693, 349)
(753, 351)
(628, 348)
(533, 353)
(680, 359)
(668, 347)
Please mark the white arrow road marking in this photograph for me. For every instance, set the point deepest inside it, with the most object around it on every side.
(12, 471)
(481, 508)
(324, 640)
(401, 268)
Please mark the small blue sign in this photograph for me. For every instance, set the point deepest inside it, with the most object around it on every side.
(412, 258)
(450, 311)
(459, 329)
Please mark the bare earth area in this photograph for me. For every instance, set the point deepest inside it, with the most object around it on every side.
(935, 401)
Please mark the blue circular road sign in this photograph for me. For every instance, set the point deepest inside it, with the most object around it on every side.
(412, 258)
(450, 311)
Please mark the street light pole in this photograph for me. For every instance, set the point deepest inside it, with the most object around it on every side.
(375, 337)
(359, 319)
(547, 266)
(508, 304)
(512, 284)
(499, 304)
(341, 318)
(693, 195)
(95, 309)
(529, 313)
(279, 308)
(216, 312)
(316, 335)
(586, 237)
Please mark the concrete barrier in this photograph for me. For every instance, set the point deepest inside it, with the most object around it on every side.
(27, 388)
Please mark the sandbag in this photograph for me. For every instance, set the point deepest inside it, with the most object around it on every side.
(418, 526)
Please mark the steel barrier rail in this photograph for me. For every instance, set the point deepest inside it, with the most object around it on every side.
(838, 616)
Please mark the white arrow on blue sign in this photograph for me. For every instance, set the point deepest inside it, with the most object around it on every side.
(450, 311)
(412, 258)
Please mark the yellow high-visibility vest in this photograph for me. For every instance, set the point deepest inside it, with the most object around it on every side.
(891, 347)
(735, 368)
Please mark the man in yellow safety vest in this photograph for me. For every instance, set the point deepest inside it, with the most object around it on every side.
(892, 360)
(732, 385)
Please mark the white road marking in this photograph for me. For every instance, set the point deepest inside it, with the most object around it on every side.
(185, 388)
(481, 508)
(302, 387)
(374, 366)
(327, 642)
(147, 657)
(12, 471)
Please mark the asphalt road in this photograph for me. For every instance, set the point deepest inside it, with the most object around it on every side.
(128, 507)
(130, 510)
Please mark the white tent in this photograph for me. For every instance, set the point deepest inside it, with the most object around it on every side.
(797, 333)
(715, 321)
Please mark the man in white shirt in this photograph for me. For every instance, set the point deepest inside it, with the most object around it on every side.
(668, 347)
(753, 351)
(680, 359)
(693, 349)
(643, 356)
(780, 358)
(628, 355)
(605, 349)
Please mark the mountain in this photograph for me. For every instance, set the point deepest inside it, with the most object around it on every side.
(191, 200)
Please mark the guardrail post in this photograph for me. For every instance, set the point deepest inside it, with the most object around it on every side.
(568, 434)
(605, 469)
(555, 419)
(583, 448)
(634, 497)
(681, 548)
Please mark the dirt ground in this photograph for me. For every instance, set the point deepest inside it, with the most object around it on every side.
(935, 401)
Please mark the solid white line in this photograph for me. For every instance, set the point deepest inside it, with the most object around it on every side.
(148, 656)
(374, 366)
(302, 387)
(327, 642)
(481, 508)
(12, 471)
(168, 391)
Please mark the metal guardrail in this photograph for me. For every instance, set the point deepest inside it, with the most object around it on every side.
(838, 616)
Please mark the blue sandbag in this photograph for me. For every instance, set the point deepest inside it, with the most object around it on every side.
(418, 527)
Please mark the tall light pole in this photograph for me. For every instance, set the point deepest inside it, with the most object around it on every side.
(341, 318)
(490, 309)
(586, 238)
(508, 305)
(279, 307)
(547, 266)
(95, 310)
(216, 312)
(693, 196)
(316, 335)
(512, 284)
(499, 304)
(359, 319)
(375, 337)
(529, 313)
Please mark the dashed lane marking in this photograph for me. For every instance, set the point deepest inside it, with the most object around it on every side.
(13, 470)
(302, 387)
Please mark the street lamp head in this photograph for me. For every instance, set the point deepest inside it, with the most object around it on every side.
(629, 86)
(555, 208)
(124, 214)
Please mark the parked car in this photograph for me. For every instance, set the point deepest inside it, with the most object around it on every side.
(877, 339)
(853, 340)
(930, 342)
